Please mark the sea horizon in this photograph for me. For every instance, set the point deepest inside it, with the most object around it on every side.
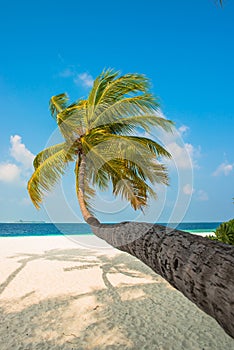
(24, 229)
(104, 222)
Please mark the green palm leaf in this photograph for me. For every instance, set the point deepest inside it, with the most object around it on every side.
(133, 167)
(124, 85)
(108, 88)
(58, 103)
(47, 174)
(101, 147)
(131, 192)
(95, 132)
(125, 183)
(71, 124)
(127, 107)
(99, 85)
(72, 121)
(46, 153)
(141, 144)
(129, 124)
(128, 182)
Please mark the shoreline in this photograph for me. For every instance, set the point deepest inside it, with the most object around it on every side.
(202, 233)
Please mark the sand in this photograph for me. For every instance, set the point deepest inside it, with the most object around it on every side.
(58, 294)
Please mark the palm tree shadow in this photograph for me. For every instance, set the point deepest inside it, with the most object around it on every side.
(72, 255)
(131, 315)
(23, 263)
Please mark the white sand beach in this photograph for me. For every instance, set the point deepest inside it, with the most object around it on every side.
(58, 295)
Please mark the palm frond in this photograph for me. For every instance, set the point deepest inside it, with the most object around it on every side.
(128, 161)
(72, 120)
(155, 148)
(46, 153)
(129, 124)
(97, 128)
(57, 104)
(71, 123)
(129, 183)
(108, 89)
(124, 85)
(131, 192)
(108, 146)
(74, 111)
(100, 178)
(127, 107)
(99, 85)
(154, 172)
(118, 158)
(124, 182)
(47, 174)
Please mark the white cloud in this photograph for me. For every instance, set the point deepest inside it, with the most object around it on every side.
(17, 173)
(223, 169)
(194, 153)
(183, 129)
(9, 172)
(85, 79)
(188, 189)
(202, 196)
(20, 153)
(184, 156)
(66, 73)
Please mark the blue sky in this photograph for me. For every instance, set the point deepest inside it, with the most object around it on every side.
(185, 47)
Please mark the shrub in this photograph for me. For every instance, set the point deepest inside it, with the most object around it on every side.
(224, 233)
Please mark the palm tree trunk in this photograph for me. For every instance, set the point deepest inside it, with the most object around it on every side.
(88, 217)
(201, 269)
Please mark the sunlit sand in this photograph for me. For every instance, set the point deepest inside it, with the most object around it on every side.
(56, 294)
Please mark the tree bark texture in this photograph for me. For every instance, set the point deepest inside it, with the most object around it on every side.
(201, 269)
(81, 190)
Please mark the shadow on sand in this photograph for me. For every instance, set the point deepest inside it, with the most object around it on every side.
(147, 314)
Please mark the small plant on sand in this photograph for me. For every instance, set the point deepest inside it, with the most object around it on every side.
(224, 233)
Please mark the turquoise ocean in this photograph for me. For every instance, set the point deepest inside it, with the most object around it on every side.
(23, 229)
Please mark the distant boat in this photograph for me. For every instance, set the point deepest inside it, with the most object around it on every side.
(30, 222)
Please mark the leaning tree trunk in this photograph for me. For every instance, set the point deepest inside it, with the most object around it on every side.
(203, 270)
(80, 188)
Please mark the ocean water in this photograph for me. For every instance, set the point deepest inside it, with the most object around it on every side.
(46, 229)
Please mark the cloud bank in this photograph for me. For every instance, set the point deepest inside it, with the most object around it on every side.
(20, 153)
(223, 169)
(9, 172)
(17, 170)
(85, 79)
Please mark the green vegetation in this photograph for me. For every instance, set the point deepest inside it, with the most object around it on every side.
(99, 138)
(224, 233)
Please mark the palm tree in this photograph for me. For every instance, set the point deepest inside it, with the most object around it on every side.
(98, 137)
